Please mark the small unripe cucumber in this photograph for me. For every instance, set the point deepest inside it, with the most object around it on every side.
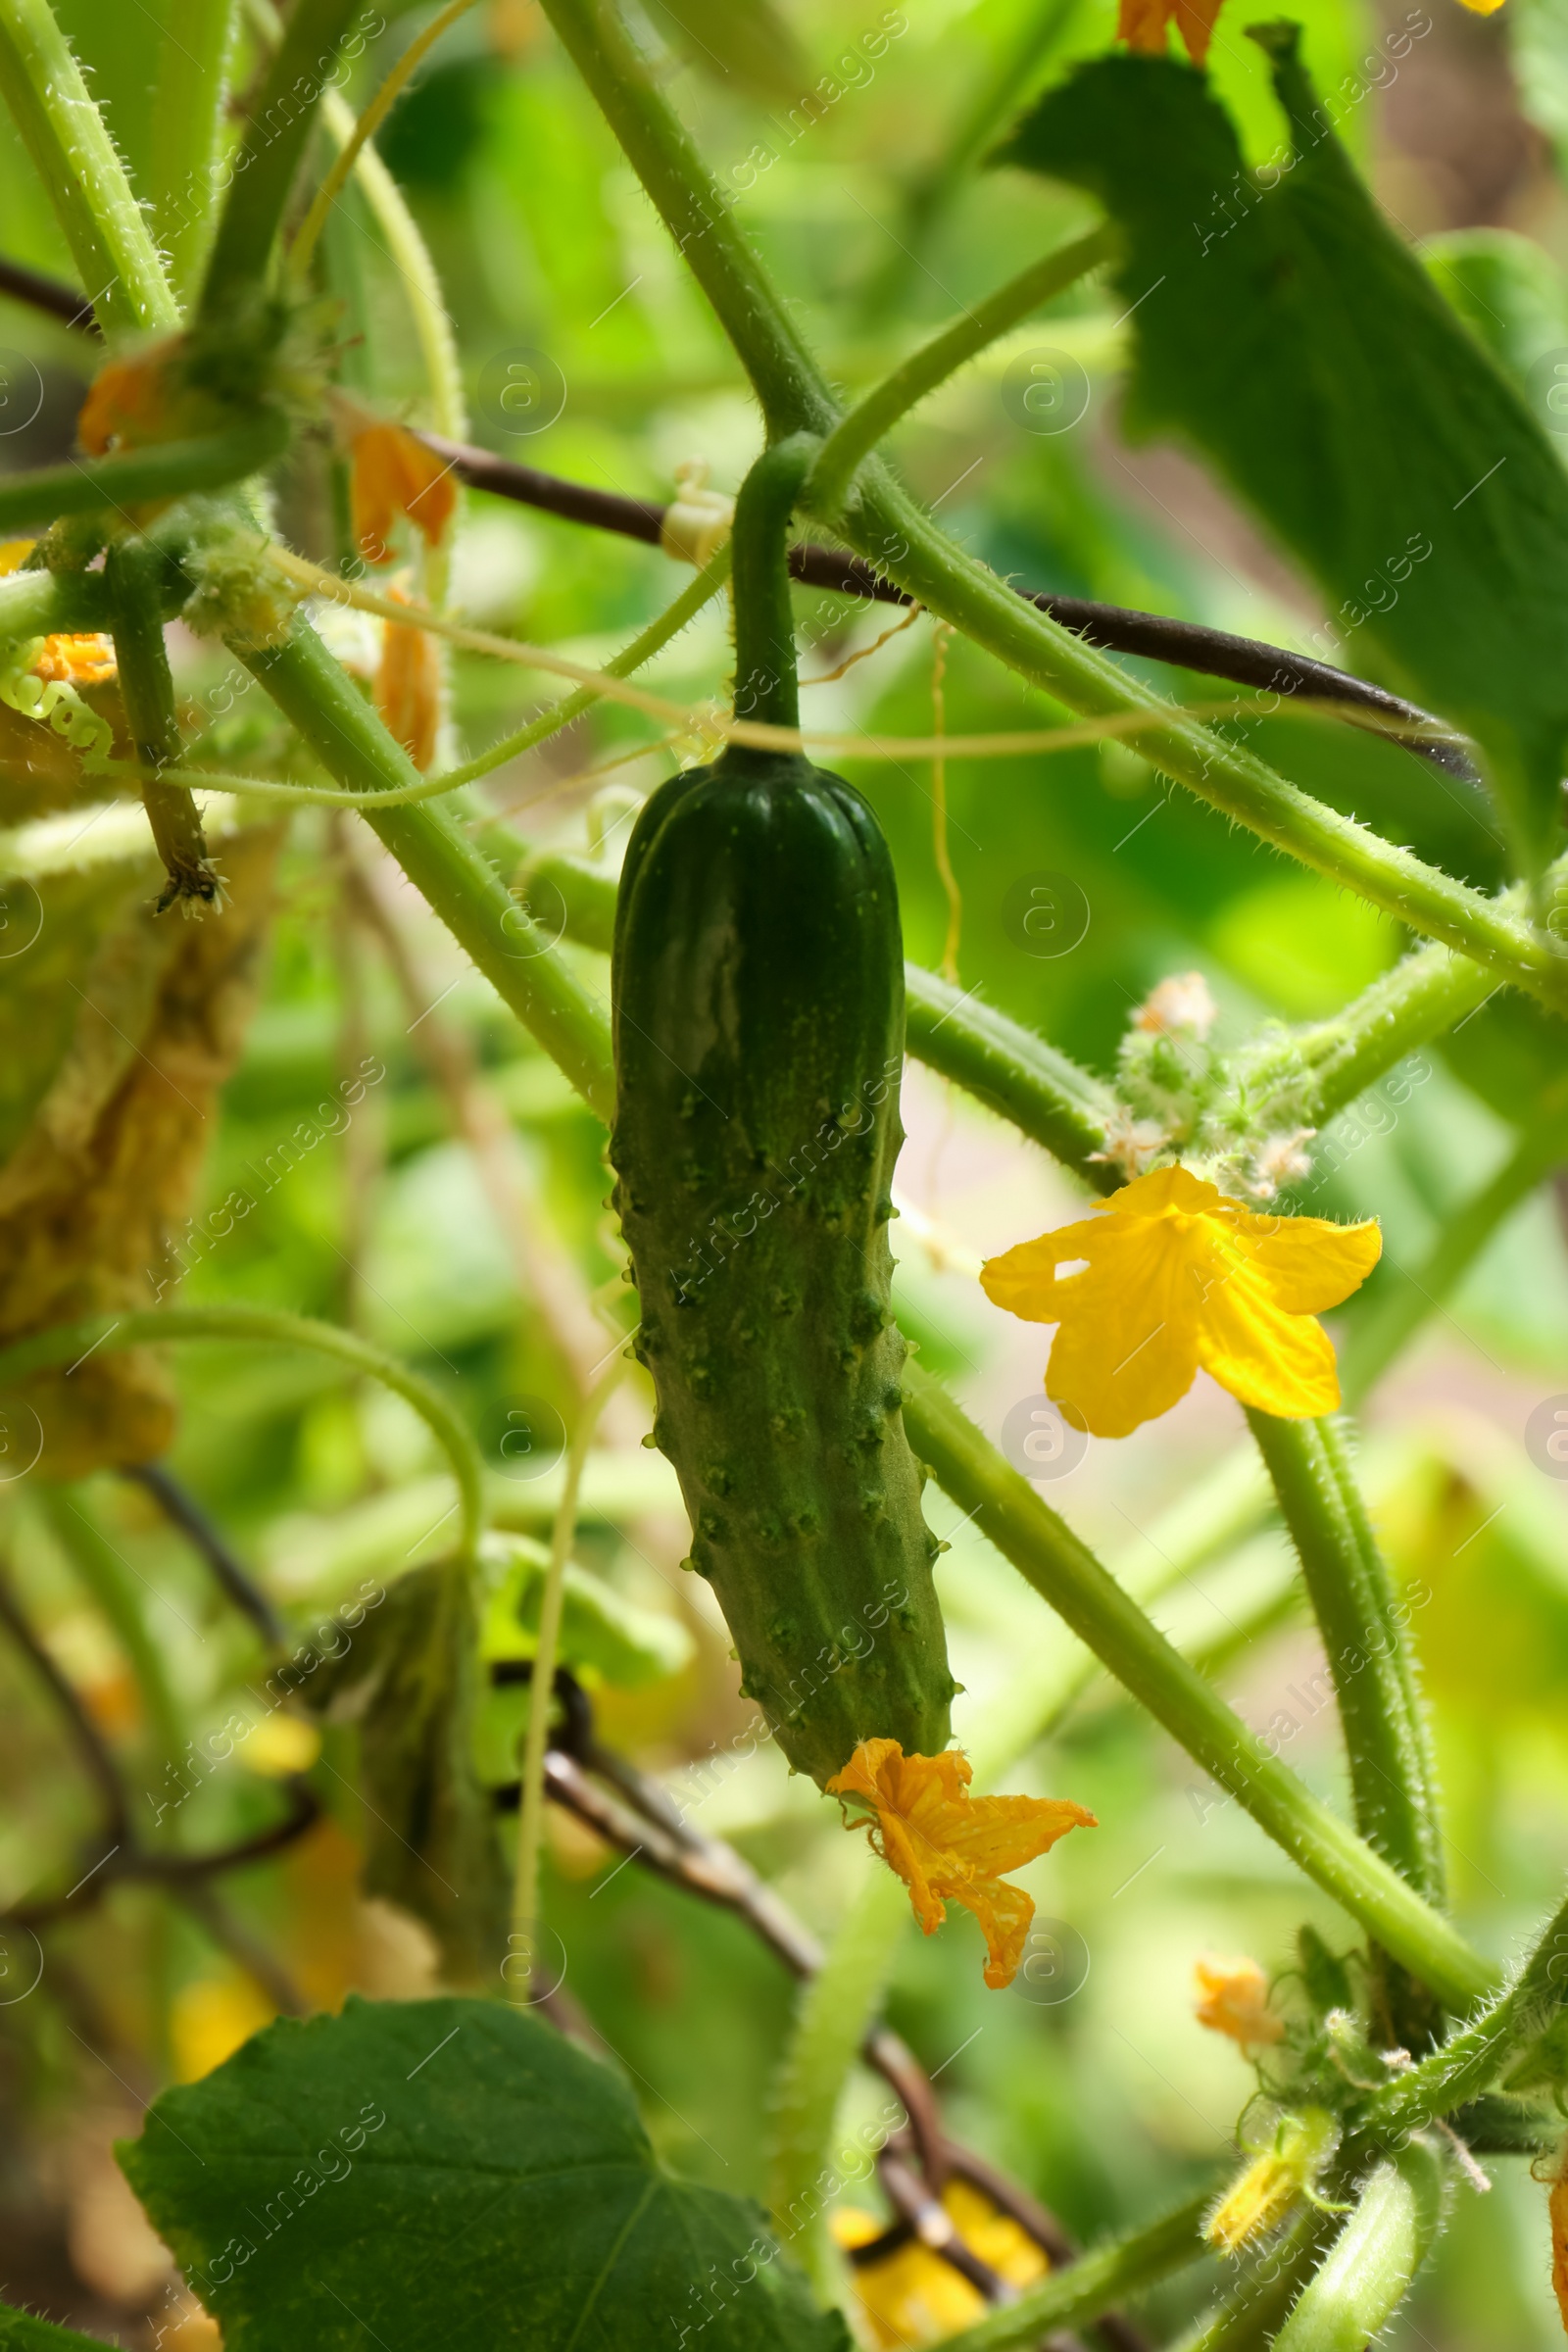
(758, 1024)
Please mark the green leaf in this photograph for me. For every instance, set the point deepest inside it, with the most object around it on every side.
(1283, 329)
(448, 2172)
(600, 1630)
(431, 1844)
(19, 2331)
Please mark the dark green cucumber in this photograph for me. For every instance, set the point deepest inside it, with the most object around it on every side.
(759, 1001)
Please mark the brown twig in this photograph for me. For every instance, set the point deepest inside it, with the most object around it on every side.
(234, 1579)
(47, 294)
(174, 1870)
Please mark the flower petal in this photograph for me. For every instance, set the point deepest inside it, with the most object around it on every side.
(1310, 1263)
(1266, 1358)
(1127, 1349)
(1023, 1280)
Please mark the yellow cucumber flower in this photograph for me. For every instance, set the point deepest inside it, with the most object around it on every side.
(945, 1843)
(393, 474)
(1178, 1276)
(1233, 2000)
(1260, 2197)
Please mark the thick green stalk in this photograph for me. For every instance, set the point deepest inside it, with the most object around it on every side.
(835, 2011)
(136, 477)
(68, 1343)
(1367, 2271)
(1467, 2061)
(1410, 1297)
(1425, 993)
(132, 569)
(1044, 1094)
(1249, 2317)
(37, 603)
(697, 213)
(887, 526)
(1074, 2296)
(82, 175)
(263, 171)
(349, 739)
(765, 685)
(1047, 1552)
(925, 370)
(187, 121)
(1392, 1774)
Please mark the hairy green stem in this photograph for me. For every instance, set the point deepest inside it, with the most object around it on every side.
(1045, 1095)
(834, 2012)
(1468, 2060)
(187, 122)
(874, 417)
(37, 603)
(698, 216)
(546, 1650)
(68, 1344)
(134, 477)
(1409, 1297)
(147, 687)
(1061, 1568)
(765, 685)
(82, 172)
(1392, 1774)
(1072, 2296)
(1367, 2271)
(307, 62)
(1387, 1739)
(1248, 2317)
(1426, 992)
(887, 526)
(470, 898)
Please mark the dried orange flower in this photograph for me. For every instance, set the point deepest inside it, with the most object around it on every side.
(945, 1843)
(1233, 2000)
(131, 403)
(393, 474)
(1180, 1276)
(912, 2296)
(1143, 25)
(1558, 2208)
(408, 688)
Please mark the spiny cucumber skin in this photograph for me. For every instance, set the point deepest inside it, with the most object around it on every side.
(758, 1025)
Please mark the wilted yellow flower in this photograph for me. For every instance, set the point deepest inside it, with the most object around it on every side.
(1233, 2000)
(1262, 2195)
(408, 688)
(912, 2296)
(943, 1842)
(66, 661)
(211, 2017)
(279, 1744)
(1180, 1276)
(1144, 24)
(393, 473)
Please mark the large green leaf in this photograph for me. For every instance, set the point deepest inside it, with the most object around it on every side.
(1283, 329)
(448, 2172)
(19, 2331)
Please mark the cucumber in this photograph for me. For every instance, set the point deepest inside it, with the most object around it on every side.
(759, 1027)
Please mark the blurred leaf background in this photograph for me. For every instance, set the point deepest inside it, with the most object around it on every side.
(479, 1247)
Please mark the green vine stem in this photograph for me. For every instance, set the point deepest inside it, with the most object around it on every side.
(136, 477)
(1061, 1568)
(1466, 2063)
(1074, 2296)
(1248, 2319)
(1387, 1739)
(1366, 2274)
(882, 408)
(66, 1344)
(146, 684)
(547, 1650)
(276, 134)
(37, 603)
(1039, 1090)
(766, 685)
(1426, 992)
(1411, 1297)
(470, 898)
(69, 1515)
(186, 123)
(834, 2012)
(79, 166)
(888, 527)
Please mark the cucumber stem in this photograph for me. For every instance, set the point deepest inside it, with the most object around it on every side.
(766, 685)
(133, 573)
